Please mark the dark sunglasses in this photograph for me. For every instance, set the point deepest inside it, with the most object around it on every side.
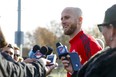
(100, 26)
(16, 55)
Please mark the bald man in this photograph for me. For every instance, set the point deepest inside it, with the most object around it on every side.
(84, 44)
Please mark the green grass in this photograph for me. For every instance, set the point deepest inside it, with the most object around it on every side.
(59, 74)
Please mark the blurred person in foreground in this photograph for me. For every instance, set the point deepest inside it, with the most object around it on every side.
(18, 58)
(16, 53)
(9, 68)
(102, 64)
(84, 44)
(8, 49)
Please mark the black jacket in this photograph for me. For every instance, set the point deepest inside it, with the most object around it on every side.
(15, 69)
(103, 64)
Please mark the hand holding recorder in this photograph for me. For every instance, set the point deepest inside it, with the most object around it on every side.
(71, 61)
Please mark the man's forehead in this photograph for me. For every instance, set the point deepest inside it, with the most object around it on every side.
(17, 52)
(11, 50)
(67, 11)
(65, 14)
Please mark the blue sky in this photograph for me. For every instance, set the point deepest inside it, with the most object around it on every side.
(36, 13)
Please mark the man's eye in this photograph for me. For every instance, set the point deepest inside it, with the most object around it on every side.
(11, 53)
(6, 51)
(67, 17)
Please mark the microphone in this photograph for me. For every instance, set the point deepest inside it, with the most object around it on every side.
(74, 57)
(50, 56)
(47, 53)
(61, 50)
(35, 48)
(46, 50)
(37, 52)
(33, 51)
(50, 50)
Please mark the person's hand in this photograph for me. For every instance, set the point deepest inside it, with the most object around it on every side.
(29, 60)
(67, 64)
(49, 68)
(47, 65)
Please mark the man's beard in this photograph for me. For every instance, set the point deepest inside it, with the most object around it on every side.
(71, 30)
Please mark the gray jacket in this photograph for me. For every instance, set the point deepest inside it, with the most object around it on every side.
(15, 69)
(103, 64)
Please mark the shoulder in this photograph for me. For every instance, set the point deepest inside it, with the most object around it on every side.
(87, 36)
(102, 61)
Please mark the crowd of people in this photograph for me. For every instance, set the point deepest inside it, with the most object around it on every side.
(12, 66)
(12, 51)
(95, 59)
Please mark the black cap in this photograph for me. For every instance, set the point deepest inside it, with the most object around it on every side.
(110, 16)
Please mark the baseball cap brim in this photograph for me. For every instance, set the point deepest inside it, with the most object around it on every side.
(103, 24)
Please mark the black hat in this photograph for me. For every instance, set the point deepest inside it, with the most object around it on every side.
(110, 16)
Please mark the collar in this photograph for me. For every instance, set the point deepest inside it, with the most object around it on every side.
(76, 37)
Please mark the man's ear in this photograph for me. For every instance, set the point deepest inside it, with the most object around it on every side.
(113, 31)
(80, 20)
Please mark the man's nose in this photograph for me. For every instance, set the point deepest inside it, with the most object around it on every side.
(63, 21)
